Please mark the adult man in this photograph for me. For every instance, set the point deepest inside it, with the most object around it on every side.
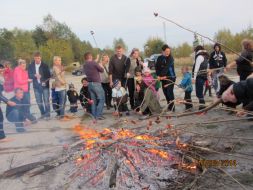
(17, 113)
(241, 92)
(218, 62)
(119, 66)
(40, 74)
(92, 70)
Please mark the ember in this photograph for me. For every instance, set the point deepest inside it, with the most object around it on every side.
(125, 159)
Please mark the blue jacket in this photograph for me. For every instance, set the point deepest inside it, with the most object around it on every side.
(186, 82)
(165, 67)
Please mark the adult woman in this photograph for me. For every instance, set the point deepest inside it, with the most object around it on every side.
(166, 72)
(199, 73)
(105, 81)
(21, 80)
(244, 62)
(60, 85)
(8, 84)
(135, 61)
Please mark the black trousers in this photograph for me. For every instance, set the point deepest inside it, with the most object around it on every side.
(209, 88)
(131, 90)
(168, 90)
(108, 94)
(2, 134)
(188, 99)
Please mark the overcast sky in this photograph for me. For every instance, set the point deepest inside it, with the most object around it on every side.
(132, 20)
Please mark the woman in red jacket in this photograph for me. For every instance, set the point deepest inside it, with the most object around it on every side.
(8, 84)
(21, 80)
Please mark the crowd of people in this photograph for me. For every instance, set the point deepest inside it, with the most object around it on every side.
(120, 80)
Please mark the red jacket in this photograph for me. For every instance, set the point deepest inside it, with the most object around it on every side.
(20, 79)
(8, 80)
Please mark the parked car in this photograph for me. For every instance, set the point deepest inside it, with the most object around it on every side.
(152, 60)
(78, 71)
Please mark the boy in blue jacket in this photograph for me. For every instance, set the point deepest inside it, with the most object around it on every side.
(186, 84)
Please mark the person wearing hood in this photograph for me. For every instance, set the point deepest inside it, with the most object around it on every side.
(217, 61)
(199, 73)
(241, 92)
(244, 62)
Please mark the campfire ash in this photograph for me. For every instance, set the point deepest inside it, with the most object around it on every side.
(126, 160)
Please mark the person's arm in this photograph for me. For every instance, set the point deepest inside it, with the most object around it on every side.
(97, 58)
(31, 74)
(225, 61)
(111, 71)
(211, 61)
(231, 65)
(128, 65)
(184, 82)
(158, 66)
(47, 74)
(100, 68)
(199, 60)
(58, 73)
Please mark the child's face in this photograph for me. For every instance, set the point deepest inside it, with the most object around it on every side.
(138, 74)
(118, 85)
(85, 83)
(146, 74)
(183, 70)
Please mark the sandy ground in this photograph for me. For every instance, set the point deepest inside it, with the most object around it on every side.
(47, 138)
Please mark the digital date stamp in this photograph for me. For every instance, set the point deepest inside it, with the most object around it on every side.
(217, 163)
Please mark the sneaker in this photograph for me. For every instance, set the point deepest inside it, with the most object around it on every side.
(101, 118)
(20, 130)
(144, 117)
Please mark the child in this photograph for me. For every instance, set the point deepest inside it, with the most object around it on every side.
(120, 98)
(85, 96)
(151, 98)
(55, 101)
(73, 97)
(208, 85)
(186, 84)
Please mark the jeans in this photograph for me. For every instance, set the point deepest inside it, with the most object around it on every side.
(98, 96)
(131, 90)
(27, 102)
(42, 99)
(61, 97)
(2, 134)
(169, 93)
(108, 94)
(215, 76)
(188, 100)
(17, 117)
(200, 82)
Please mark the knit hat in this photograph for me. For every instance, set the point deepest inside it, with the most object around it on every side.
(71, 86)
(115, 83)
(146, 70)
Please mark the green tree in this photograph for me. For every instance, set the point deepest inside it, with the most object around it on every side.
(23, 43)
(153, 46)
(183, 50)
(121, 42)
(225, 37)
(6, 46)
(57, 47)
(39, 36)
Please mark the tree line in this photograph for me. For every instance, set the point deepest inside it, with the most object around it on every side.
(55, 38)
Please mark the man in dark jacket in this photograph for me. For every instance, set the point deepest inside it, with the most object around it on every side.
(40, 74)
(119, 66)
(166, 73)
(17, 114)
(218, 62)
(241, 92)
